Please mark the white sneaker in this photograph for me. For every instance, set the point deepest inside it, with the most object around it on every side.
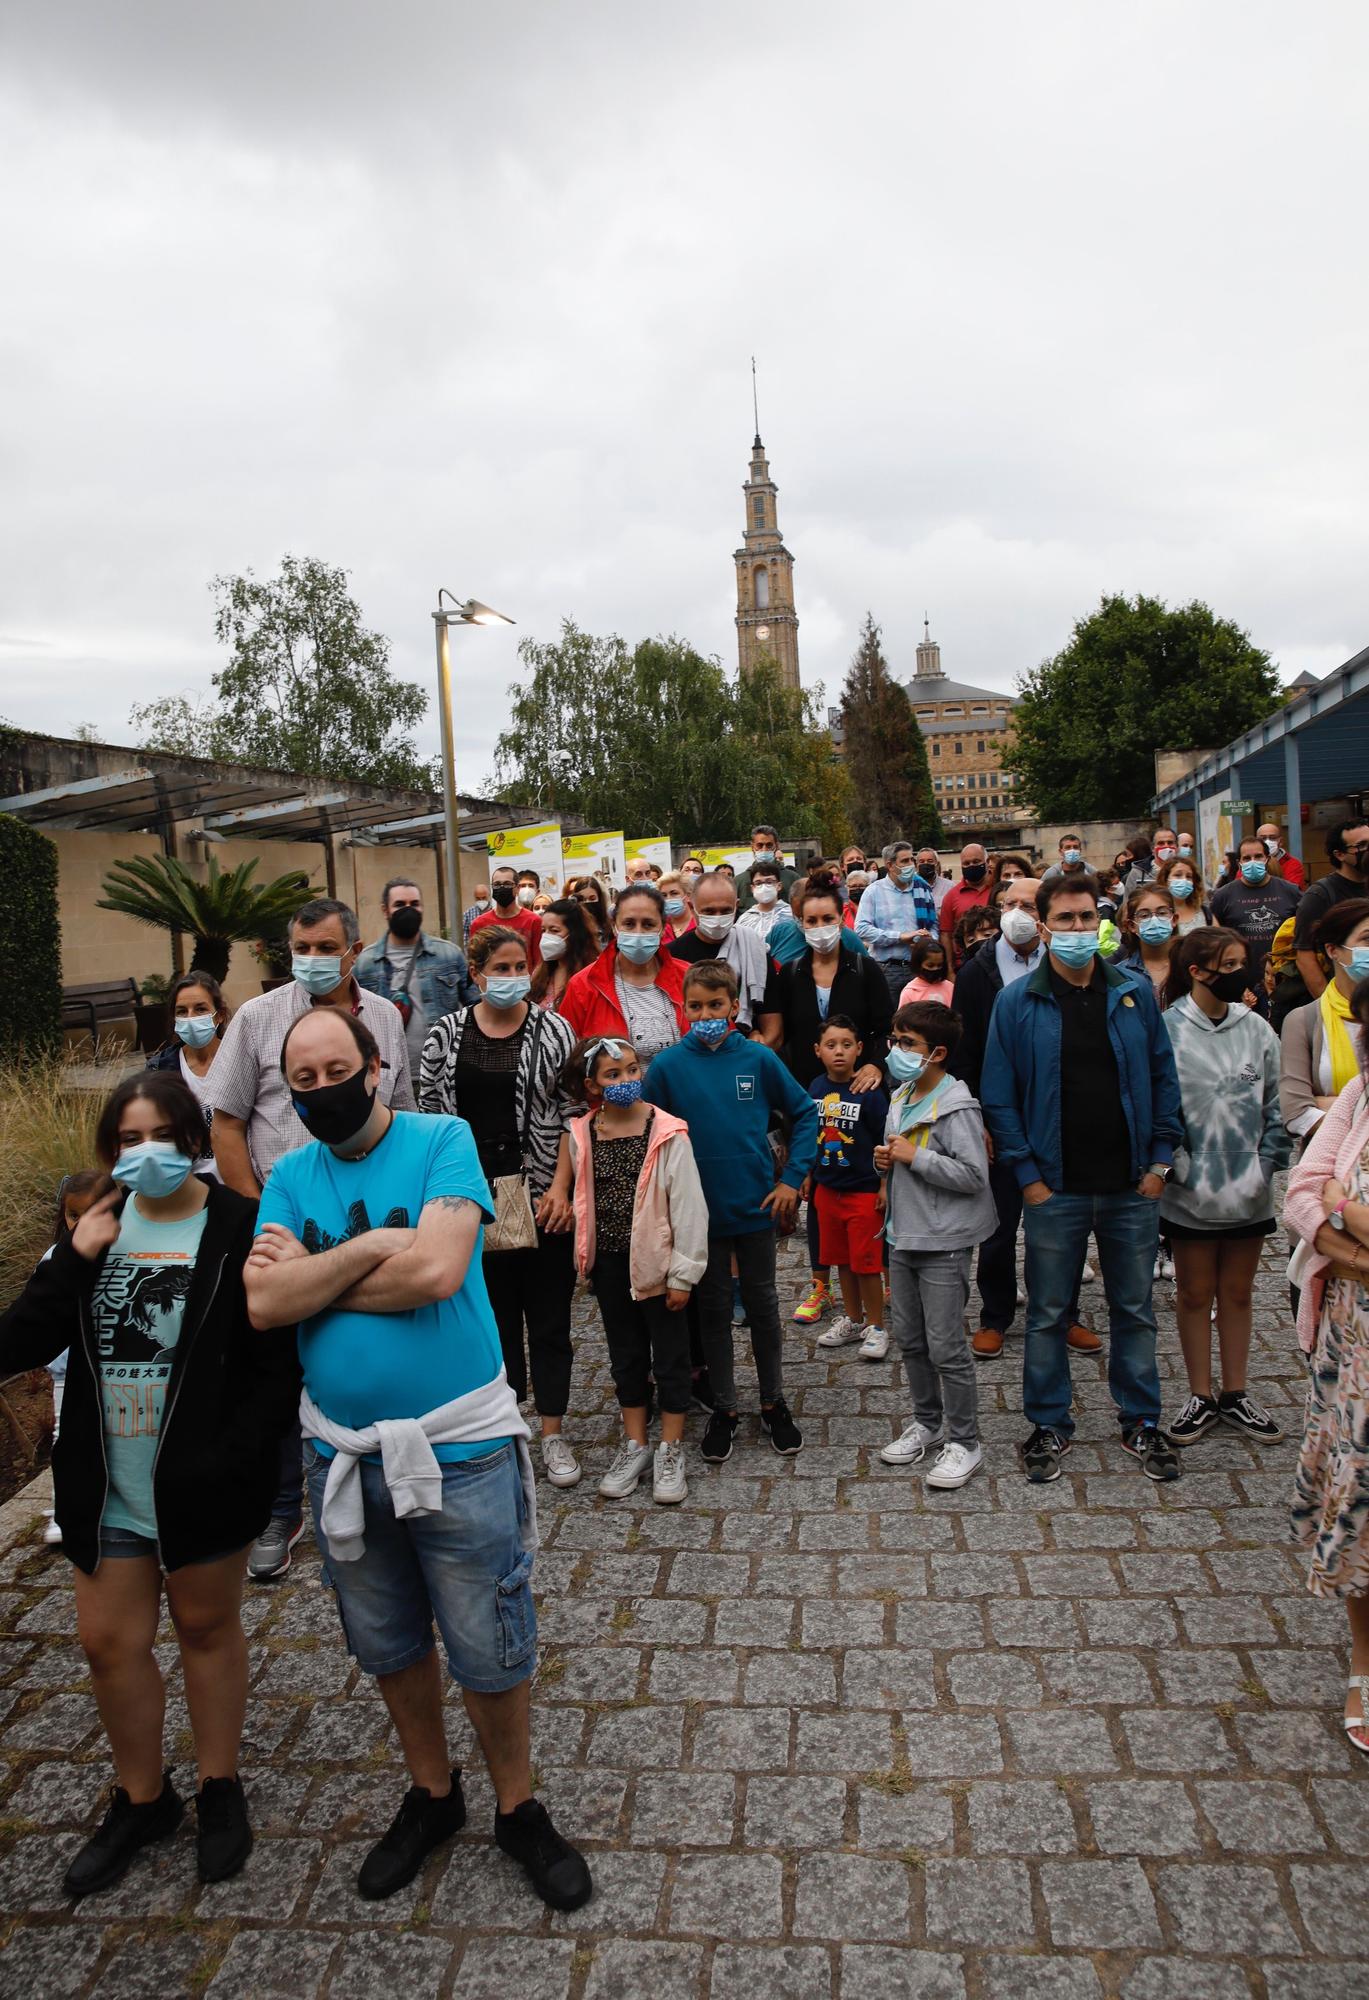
(626, 1469)
(957, 1463)
(875, 1345)
(1088, 1276)
(1167, 1266)
(52, 1534)
(912, 1447)
(1022, 1296)
(841, 1333)
(668, 1484)
(559, 1462)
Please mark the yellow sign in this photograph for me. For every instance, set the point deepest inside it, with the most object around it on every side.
(655, 850)
(736, 858)
(594, 854)
(537, 847)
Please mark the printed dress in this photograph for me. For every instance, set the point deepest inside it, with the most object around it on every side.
(1331, 1491)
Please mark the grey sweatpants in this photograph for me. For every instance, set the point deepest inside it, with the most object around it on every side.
(928, 1291)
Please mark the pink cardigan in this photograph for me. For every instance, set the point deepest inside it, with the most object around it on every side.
(1332, 1154)
(669, 1243)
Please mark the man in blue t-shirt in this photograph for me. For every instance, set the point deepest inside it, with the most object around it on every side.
(369, 1241)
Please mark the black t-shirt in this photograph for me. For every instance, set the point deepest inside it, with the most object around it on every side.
(693, 949)
(1316, 901)
(1255, 910)
(486, 1082)
(1095, 1143)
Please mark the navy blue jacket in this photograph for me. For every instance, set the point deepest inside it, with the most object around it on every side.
(1020, 1084)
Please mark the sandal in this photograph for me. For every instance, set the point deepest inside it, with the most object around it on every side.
(1359, 1683)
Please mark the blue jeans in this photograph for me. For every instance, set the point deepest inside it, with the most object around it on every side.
(1126, 1228)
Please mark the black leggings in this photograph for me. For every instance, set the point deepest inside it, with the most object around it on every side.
(645, 1339)
(536, 1286)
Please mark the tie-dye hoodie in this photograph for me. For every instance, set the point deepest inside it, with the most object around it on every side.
(1234, 1136)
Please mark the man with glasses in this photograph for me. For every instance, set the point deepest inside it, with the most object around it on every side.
(894, 912)
(1347, 849)
(765, 846)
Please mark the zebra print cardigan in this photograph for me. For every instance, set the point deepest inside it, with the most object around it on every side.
(551, 1108)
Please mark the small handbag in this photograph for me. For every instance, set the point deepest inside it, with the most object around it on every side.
(515, 1226)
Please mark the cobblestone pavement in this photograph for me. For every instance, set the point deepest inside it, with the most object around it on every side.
(823, 1733)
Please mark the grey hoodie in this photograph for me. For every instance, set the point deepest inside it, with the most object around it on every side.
(1234, 1137)
(939, 1200)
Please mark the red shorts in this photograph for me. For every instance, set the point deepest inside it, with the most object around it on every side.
(849, 1230)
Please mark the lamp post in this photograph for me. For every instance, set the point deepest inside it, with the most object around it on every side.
(471, 612)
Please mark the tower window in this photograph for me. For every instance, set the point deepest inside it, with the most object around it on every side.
(758, 510)
(762, 588)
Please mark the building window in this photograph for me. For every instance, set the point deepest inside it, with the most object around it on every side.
(960, 784)
(936, 749)
(758, 510)
(979, 746)
(762, 588)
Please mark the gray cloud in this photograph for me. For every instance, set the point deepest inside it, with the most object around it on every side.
(1047, 302)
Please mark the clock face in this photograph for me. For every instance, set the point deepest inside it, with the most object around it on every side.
(762, 631)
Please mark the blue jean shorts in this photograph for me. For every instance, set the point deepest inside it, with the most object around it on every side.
(466, 1568)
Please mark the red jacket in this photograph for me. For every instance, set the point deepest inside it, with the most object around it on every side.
(590, 1002)
(528, 922)
(964, 896)
(1292, 870)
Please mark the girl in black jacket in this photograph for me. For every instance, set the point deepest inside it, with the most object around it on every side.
(165, 1466)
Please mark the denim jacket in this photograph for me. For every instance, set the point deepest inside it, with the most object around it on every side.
(441, 978)
(1020, 1083)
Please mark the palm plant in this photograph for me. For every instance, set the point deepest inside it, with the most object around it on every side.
(158, 890)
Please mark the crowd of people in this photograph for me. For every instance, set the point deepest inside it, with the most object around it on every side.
(331, 1243)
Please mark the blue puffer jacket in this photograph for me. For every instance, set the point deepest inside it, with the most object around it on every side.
(1020, 1085)
(441, 975)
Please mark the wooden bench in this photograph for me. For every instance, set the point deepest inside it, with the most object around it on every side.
(99, 1006)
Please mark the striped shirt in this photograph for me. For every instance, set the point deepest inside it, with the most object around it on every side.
(887, 911)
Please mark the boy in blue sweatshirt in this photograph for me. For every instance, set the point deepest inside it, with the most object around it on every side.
(726, 1088)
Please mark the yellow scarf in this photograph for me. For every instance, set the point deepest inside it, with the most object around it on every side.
(1335, 1014)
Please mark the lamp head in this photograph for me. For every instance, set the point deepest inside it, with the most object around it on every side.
(471, 612)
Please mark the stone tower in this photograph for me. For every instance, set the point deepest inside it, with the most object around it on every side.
(767, 625)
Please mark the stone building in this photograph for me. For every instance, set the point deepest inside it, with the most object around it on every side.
(767, 624)
(967, 729)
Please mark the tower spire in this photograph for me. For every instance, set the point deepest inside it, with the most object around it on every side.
(755, 404)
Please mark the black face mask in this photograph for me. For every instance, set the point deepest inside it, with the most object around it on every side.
(503, 894)
(336, 1112)
(974, 871)
(406, 922)
(928, 871)
(1229, 986)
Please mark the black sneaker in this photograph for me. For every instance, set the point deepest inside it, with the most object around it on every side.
(269, 1556)
(1159, 1460)
(557, 1871)
(224, 1840)
(1234, 1407)
(421, 1824)
(105, 1858)
(1042, 1453)
(1198, 1416)
(785, 1435)
(701, 1392)
(718, 1435)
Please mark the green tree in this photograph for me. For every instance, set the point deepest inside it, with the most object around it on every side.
(160, 891)
(885, 752)
(658, 739)
(307, 687)
(1135, 677)
(31, 970)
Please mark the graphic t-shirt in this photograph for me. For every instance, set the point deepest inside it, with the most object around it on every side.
(363, 1366)
(406, 997)
(138, 1308)
(1255, 911)
(850, 1126)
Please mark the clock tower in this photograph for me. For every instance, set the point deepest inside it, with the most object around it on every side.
(767, 625)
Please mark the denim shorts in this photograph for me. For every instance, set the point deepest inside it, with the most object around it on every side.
(115, 1542)
(465, 1567)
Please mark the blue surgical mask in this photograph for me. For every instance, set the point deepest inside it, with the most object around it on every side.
(639, 947)
(906, 874)
(1074, 948)
(905, 1065)
(1358, 968)
(1254, 871)
(1179, 887)
(317, 975)
(1155, 930)
(674, 906)
(627, 1092)
(197, 1031)
(507, 989)
(710, 1031)
(1071, 857)
(154, 1168)
(1186, 849)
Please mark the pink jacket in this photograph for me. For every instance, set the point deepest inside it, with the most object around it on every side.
(669, 1244)
(1332, 1154)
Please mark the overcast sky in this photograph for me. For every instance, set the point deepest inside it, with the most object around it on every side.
(1047, 301)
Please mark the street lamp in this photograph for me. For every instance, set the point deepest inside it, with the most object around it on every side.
(471, 612)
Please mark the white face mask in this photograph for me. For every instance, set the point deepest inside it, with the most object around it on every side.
(715, 928)
(766, 893)
(823, 937)
(527, 897)
(553, 944)
(1019, 926)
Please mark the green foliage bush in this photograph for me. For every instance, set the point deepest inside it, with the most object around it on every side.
(31, 962)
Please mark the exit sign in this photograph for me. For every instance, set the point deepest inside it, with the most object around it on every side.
(1241, 806)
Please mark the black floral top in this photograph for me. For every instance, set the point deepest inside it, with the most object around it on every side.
(617, 1169)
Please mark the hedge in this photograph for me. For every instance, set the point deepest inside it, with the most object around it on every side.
(31, 961)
